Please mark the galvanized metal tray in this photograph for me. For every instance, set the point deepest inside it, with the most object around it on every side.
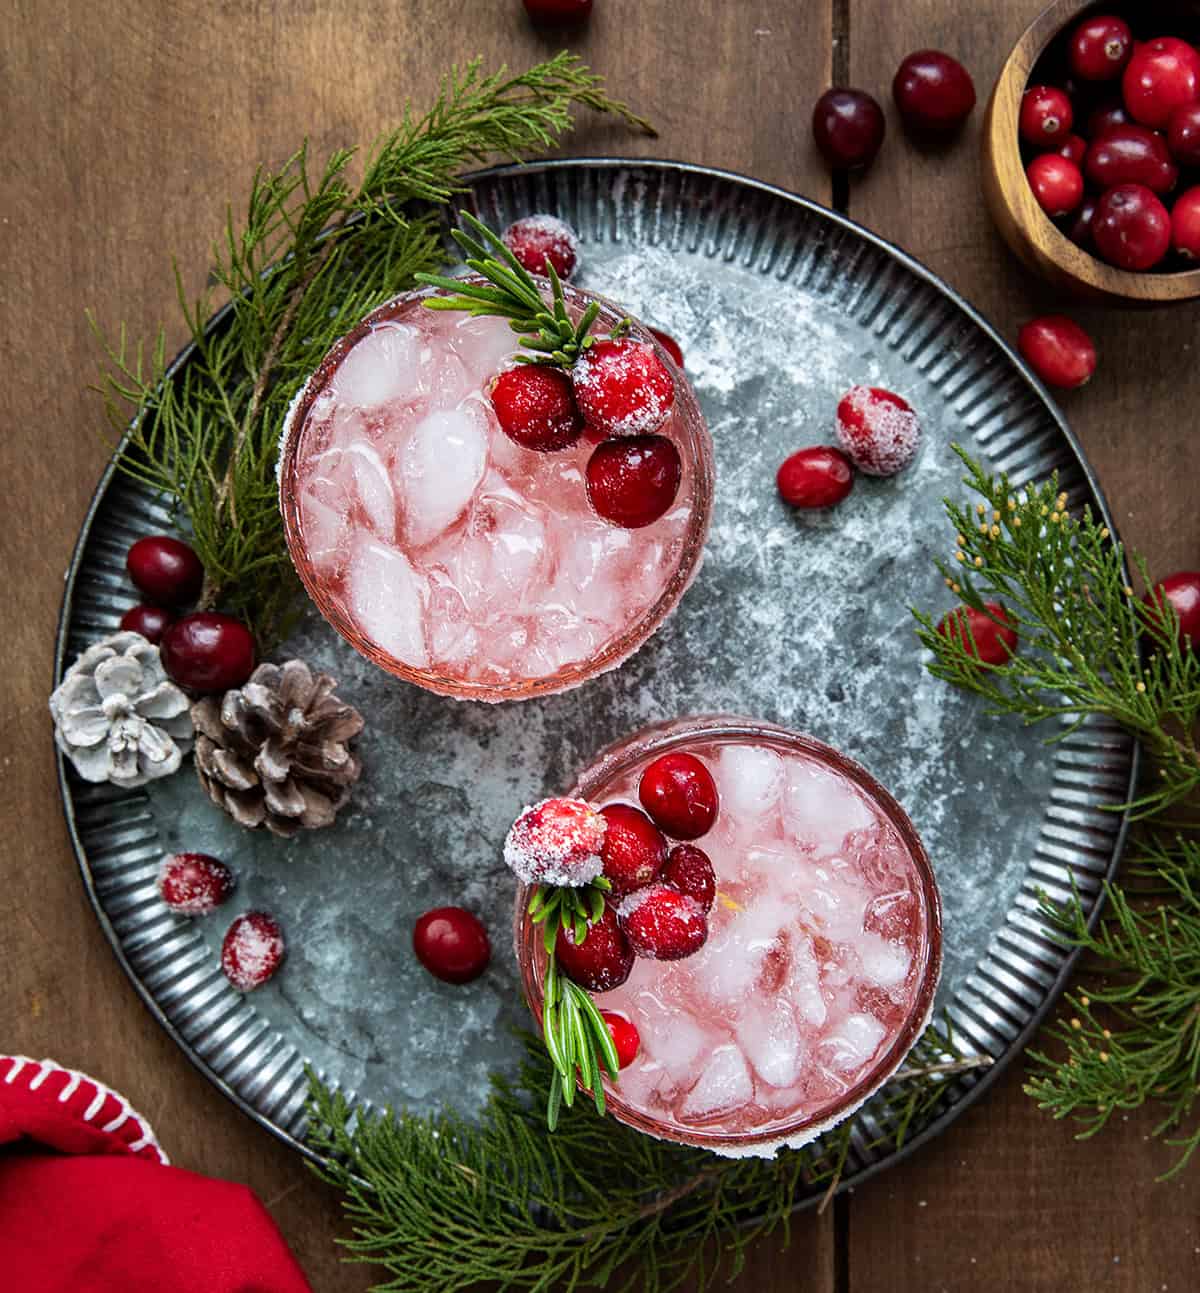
(780, 305)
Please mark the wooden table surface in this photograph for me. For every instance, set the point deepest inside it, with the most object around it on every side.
(129, 127)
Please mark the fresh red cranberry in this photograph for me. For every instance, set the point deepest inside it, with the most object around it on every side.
(994, 643)
(1100, 47)
(536, 239)
(669, 344)
(1058, 350)
(1131, 155)
(602, 961)
(252, 950)
(452, 944)
(625, 1037)
(1046, 116)
(535, 406)
(1161, 75)
(556, 842)
(1073, 148)
(193, 884)
(690, 870)
(819, 476)
(1079, 227)
(208, 651)
(557, 13)
(1182, 592)
(848, 126)
(679, 793)
(663, 924)
(1185, 224)
(622, 387)
(1105, 116)
(934, 93)
(1131, 228)
(1183, 134)
(150, 621)
(633, 480)
(1056, 183)
(634, 850)
(165, 569)
(878, 429)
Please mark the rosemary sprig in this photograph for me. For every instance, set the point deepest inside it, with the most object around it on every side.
(511, 293)
(1089, 646)
(577, 1039)
(313, 254)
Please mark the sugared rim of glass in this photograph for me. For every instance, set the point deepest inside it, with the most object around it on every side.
(694, 441)
(672, 734)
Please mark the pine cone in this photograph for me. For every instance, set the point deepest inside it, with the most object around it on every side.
(273, 753)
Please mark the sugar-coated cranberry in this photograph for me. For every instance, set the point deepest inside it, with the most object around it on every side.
(663, 924)
(1079, 227)
(1046, 116)
(1056, 183)
(679, 793)
(634, 850)
(1131, 228)
(165, 569)
(556, 842)
(878, 429)
(1073, 148)
(625, 1037)
(536, 239)
(554, 13)
(193, 884)
(622, 387)
(150, 621)
(690, 870)
(848, 126)
(1161, 75)
(819, 476)
(1183, 134)
(1185, 224)
(208, 651)
(633, 480)
(535, 406)
(934, 93)
(1100, 47)
(602, 961)
(670, 345)
(993, 642)
(452, 944)
(1131, 155)
(1181, 592)
(1058, 350)
(1106, 115)
(252, 950)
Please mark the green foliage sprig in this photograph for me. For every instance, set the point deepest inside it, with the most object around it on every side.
(444, 1203)
(1089, 646)
(313, 254)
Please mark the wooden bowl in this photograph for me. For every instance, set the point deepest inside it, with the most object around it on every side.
(1026, 228)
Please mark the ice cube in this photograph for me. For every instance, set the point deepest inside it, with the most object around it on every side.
(804, 983)
(324, 529)
(441, 466)
(729, 966)
(515, 536)
(387, 597)
(452, 638)
(822, 808)
(724, 1086)
(374, 489)
(883, 963)
(670, 1036)
(484, 345)
(749, 777)
(768, 1034)
(379, 368)
(853, 1043)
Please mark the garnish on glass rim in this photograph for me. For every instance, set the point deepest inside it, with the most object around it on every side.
(512, 293)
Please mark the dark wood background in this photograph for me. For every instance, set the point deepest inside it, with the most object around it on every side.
(127, 129)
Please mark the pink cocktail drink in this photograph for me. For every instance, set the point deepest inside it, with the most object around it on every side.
(823, 949)
(452, 556)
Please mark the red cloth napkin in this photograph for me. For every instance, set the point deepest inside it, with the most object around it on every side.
(103, 1213)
